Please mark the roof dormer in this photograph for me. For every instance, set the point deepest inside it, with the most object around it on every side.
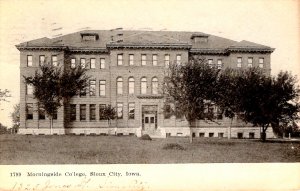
(89, 36)
(199, 38)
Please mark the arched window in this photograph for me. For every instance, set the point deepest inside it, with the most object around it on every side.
(131, 85)
(143, 85)
(154, 85)
(119, 85)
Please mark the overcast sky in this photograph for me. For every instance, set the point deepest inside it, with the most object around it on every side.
(270, 22)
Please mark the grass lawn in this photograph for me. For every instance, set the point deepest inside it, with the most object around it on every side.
(71, 149)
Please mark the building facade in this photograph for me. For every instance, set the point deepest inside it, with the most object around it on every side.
(127, 70)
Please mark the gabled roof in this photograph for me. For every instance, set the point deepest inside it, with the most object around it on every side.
(109, 39)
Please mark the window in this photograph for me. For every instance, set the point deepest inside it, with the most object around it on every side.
(131, 85)
(120, 59)
(154, 85)
(29, 89)
(92, 88)
(102, 63)
(82, 62)
(101, 111)
(178, 59)
(42, 114)
(261, 62)
(239, 135)
(119, 85)
(73, 63)
(29, 111)
(250, 62)
(201, 134)
(210, 63)
(82, 92)
(220, 135)
(92, 112)
(82, 112)
(143, 85)
(73, 112)
(219, 64)
(211, 134)
(131, 111)
(54, 61)
(239, 62)
(167, 60)
(29, 60)
(93, 63)
(120, 110)
(154, 59)
(144, 59)
(251, 135)
(102, 87)
(42, 60)
(131, 59)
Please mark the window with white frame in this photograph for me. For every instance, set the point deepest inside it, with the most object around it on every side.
(250, 62)
(29, 111)
(131, 108)
(102, 108)
(92, 87)
(167, 60)
(178, 59)
(131, 59)
(154, 85)
(119, 85)
(131, 85)
(54, 61)
(144, 59)
(154, 59)
(82, 112)
(239, 62)
(93, 63)
(102, 63)
(143, 85)
(120, 110)
(210, 63)
(82, 62)
(102, 87)
(120, 59)
(92, 112)
(73, 63)
(219, 64)
(29, 89)
(29, 60)
(42, 60)
(261, 62)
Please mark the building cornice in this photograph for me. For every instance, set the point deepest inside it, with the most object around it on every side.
(150, 46)
(22, 47)
(87, 50)
(150, 96)
(208, 51)
(229, 50)
(251, 49)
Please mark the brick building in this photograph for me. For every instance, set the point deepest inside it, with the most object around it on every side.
(127, 69)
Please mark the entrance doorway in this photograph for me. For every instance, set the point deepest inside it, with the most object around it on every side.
(149, 122)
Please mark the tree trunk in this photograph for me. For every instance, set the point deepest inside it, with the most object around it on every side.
(263, 134)
(51, 125)
(191, 133)
(229, 130)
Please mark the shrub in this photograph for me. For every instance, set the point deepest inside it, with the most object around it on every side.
(146, 137)
(173, 146)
